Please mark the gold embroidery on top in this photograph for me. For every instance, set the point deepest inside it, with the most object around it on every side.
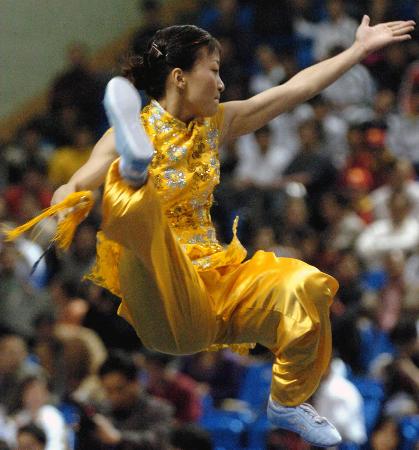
(184, 170)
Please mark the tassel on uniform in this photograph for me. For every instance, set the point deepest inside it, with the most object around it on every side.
(80, 203)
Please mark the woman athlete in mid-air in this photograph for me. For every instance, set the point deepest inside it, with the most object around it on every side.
(180, 289)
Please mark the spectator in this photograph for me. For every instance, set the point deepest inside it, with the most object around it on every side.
(48, 350)
(227, 19)
(375, 140)
(340, 400)
(334, 130)
(399, 232)
(391, 295)
(384, 108)
(256, 194)
(21, 301)
(78, 87)
(14, 368)
(353, 93)
(358, 152)
(386, 435)
(220, 371)
(285, 127)
(32, 186)
(389, 66)
(102, 318)
(347, 270)
(70, 307)
(232, 71)
(269, 158)
(294, 223)
(134, 420)
(31, 437)
(81, 256)
(310, 167)
(36, 408)
(411, 281)
(151, 19)
(271, 72)
(357, 184)
(82, 354)
(264, 239)
(403, 135)
(178, 389)
(337, 30)
(402, 373)
(400, 177)
(67, 160)
(343, 225)
(27, 151)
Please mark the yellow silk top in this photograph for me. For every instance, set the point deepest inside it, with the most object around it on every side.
(185, 170)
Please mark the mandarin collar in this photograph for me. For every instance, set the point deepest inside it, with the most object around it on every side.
(178, 122)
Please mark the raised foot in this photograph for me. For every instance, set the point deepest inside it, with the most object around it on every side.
(123, 106)
(305, 421)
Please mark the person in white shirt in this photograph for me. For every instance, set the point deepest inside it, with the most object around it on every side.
(257, 152)
(400, 177)
(272, 72)
(338, 30)
(353, 94)
(37, 409)
(257, 184)
(339, 399)
(403, 134)
(399, 232)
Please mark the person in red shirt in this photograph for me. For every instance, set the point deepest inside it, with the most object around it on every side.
(179, 389)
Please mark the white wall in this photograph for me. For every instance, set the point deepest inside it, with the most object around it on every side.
(34, 35)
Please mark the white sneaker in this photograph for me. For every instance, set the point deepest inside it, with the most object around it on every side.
(305, 421)
(123, 106)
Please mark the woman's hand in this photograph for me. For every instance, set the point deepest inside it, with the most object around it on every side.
(378, 36)
(62, 192)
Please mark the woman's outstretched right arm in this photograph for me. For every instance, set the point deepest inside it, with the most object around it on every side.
(92, 174)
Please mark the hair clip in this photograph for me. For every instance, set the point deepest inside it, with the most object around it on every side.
(156, 49)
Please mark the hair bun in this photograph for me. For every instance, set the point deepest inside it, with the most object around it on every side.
(136, 69)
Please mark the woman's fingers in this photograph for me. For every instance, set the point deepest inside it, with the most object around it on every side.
(402, 31)
(401, 23)
(405, 37)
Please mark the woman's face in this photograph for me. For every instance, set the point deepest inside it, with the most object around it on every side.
(203, 85)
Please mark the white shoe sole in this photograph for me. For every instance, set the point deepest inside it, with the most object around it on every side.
(123, 106)
(271, 416)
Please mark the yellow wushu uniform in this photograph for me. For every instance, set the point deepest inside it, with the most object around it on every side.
(181, 290)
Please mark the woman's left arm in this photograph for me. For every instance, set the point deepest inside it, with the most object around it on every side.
(246, 116)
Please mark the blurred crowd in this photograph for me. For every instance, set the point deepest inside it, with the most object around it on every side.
(334, 182)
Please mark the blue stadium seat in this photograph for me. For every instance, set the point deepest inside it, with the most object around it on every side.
(349, 446)
(373, 395)
(374, 342)
(409, 430)
(255, 386)
(257, 432)
(226, 427)
(72, 418)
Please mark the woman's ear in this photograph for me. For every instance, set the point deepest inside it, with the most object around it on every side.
(178, 78)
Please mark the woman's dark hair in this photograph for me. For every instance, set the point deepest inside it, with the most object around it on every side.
(170, 47)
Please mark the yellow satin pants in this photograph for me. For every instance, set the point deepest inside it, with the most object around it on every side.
(175, 308)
